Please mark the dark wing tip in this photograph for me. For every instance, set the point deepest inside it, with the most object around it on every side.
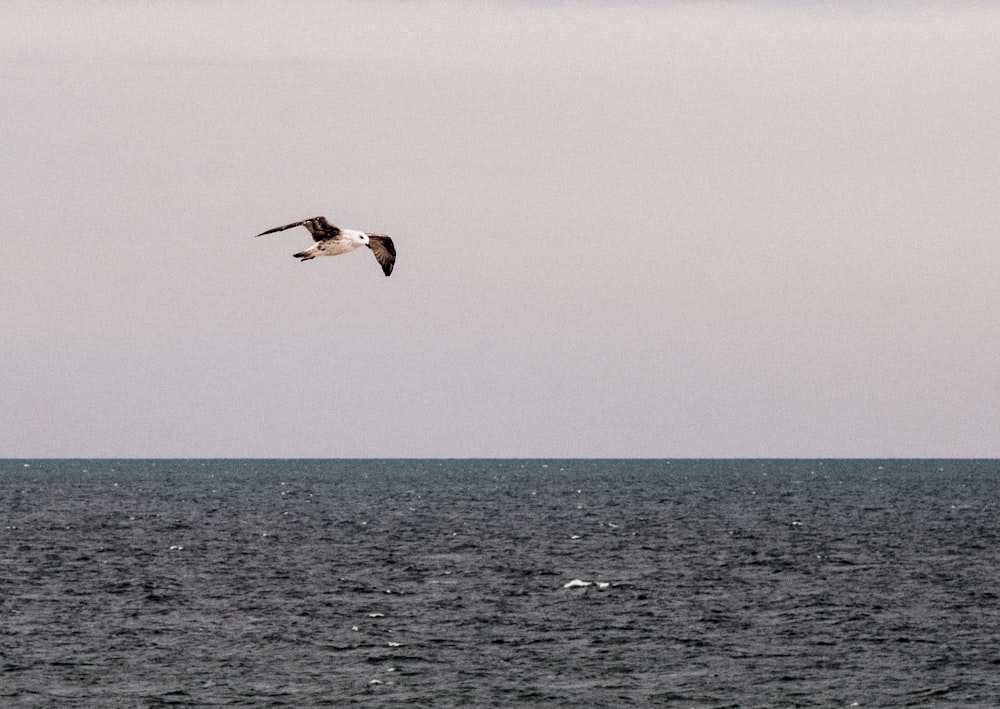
(279, 228)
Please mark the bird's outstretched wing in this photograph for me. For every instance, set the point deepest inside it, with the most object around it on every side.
(384, 250)
(319, 227)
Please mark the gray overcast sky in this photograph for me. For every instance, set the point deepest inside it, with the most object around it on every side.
(677, 229)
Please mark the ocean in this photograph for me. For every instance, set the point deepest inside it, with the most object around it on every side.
(466, 583)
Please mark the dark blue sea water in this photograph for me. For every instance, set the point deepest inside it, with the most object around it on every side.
(148, 583)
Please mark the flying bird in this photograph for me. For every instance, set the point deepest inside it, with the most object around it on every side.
(332, 241)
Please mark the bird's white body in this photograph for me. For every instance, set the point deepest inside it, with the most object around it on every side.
(349, 240)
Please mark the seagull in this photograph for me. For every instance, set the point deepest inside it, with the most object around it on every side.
(331, 241)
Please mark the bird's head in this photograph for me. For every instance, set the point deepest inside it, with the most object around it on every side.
(365, 240)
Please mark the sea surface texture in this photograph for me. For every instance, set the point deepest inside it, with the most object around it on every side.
(456, 583)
